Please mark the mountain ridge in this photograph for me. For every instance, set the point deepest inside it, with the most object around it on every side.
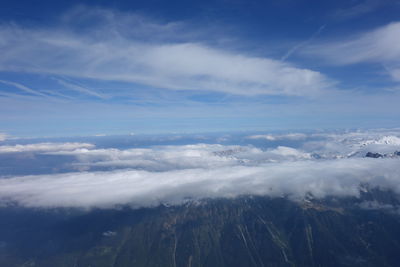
(243, 231)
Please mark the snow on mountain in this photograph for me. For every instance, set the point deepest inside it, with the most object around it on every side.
(385, 140)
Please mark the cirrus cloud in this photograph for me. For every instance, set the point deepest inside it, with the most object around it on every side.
(376, 46)
(132, 56)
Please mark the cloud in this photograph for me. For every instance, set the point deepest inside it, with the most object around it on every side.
(289, 152)
(23, 88)
(80, 89)
(374, 46)
(269, 137)
(394, 73)
(166, 158)
(3, 136)
(302, 44)
(176, 157)
(108, 51)
(359, 9)
(144, 188)
(43, 147)
(109, 177)
(377, 46)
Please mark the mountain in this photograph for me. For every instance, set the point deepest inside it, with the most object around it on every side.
(379, 155)
(245, 231)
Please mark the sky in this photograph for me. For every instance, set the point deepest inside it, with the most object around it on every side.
(74, 68)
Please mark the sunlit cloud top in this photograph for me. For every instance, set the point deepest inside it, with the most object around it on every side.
(84, 175)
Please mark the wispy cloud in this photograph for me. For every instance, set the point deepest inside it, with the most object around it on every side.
(108, 51)
(302, 44)
(57, 94)
(377, 46)
(24, 88)
(358, 9)
(80, 89)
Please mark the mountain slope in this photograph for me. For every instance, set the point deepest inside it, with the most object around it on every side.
(246, 231)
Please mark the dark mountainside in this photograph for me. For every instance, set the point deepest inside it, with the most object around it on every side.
(246, 231)
(379, 155)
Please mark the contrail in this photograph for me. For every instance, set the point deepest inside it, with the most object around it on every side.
(296, 47)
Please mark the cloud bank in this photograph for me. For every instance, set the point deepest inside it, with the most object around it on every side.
(43, 147)
(168, 158)
(145, 188)
(323, 164)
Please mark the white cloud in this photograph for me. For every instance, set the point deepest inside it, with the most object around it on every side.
(131, 57)
(174, 174)
(377, 46)
(23, 88)
(43, 147)
(3, 136)
(394, 73)
(162, 158)
(144, 188)
(270, 137)
(80, 89)
(358, 8)
(289, 152)
(166, 158)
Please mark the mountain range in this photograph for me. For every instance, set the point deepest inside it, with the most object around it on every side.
(244, 231)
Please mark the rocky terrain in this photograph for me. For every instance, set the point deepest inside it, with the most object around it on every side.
(246, 231)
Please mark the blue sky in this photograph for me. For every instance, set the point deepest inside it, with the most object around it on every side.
(118, 67)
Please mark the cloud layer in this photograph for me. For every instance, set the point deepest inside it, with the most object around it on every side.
(144, 188)
(43, 147)
(323, 164)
